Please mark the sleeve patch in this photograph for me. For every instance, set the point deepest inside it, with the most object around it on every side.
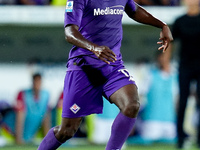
(69, 6)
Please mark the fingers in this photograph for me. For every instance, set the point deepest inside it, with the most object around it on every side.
(108, 57)
(165, 37)
(113, 55)
(164, 45)
(105, 54)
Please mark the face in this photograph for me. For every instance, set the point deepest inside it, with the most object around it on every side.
(37, 83)
(191, 2)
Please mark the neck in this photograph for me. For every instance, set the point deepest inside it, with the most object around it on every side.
(36, 92)
(193, 10)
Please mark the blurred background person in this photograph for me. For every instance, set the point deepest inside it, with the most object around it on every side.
(158, 115)
(32, 111)
(187, 30)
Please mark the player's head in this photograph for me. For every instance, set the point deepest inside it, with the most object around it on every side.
(37, 81)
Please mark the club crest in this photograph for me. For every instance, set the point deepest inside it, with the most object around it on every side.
(75, 108)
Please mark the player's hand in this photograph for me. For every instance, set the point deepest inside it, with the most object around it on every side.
(165, 37)
(104, 53)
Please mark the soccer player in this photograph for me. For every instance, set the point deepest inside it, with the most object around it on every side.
(160, 96)
(95, 67)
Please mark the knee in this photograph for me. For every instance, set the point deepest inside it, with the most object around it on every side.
(63, 134)
(131, 109)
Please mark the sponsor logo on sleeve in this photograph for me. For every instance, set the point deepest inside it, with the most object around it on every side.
(69, 6)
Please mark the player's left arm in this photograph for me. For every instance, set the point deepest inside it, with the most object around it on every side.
(142, 16)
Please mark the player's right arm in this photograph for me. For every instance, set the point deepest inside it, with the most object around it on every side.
(73, 36)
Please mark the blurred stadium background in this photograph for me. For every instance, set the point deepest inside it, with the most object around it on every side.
(32, 39)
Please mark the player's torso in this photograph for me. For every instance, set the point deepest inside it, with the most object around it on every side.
(101, 21)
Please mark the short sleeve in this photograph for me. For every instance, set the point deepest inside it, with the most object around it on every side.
(130, 5)
(20, 106)
(74, 12)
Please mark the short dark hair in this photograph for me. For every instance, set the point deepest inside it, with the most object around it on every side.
(36, 75)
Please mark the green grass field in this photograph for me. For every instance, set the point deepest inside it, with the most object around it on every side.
(83, 144)
(90, 147)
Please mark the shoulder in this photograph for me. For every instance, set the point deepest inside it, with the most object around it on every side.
(19, 105)
(20, 94)
(181, 18)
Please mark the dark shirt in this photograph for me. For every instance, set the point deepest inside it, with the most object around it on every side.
(187, 30)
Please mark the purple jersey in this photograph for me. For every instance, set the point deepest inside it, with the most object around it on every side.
(99, 21)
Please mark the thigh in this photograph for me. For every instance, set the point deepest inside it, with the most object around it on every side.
(124, 96)
(80, 98)
(121, 88)
(118, 78)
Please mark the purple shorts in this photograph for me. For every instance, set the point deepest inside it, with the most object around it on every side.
(84, 87)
